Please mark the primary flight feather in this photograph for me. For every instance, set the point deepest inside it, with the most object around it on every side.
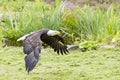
(32, 45)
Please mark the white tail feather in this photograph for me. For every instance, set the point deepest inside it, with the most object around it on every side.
(23, 37)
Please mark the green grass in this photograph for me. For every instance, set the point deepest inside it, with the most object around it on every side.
(90, 65)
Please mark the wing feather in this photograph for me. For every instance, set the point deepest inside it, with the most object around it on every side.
(27, 47)
(32, 59)
(30, 62)
(56, 42)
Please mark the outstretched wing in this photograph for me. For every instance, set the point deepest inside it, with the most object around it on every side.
(56, 42)
(32, 59)
(31, 47)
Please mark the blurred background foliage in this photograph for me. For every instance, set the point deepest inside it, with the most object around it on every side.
(78, 20)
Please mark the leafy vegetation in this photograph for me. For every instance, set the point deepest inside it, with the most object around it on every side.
(86, 23)
(91, 65)
(88, 45)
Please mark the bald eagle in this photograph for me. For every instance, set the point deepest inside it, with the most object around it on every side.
(32, 45)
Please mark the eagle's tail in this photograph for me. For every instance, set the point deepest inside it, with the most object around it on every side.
(23, 37)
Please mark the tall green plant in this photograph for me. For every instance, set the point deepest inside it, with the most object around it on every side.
(79, 24)
(51, 17)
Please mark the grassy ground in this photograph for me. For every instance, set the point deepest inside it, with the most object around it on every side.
(90, 65)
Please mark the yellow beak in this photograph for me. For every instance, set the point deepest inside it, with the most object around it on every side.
(58, 33)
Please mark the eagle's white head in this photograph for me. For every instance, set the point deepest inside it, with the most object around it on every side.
(53, 33)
